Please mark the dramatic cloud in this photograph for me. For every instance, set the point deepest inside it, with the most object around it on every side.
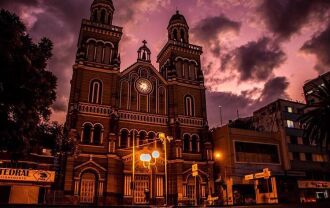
(211, 29)
(60, 22)
(286, 17)
(320, 46)
(243, 104)
(254, 61)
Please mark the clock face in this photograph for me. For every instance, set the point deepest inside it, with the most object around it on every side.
(143, 86)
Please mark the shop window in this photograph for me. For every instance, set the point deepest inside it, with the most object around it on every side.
(265, 186)
(5, 193)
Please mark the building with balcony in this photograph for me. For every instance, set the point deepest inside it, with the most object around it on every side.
(306, 162)
(27, 181)
(310, 85)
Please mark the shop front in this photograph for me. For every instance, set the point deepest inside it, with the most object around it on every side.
(313, 191)
(24, 186)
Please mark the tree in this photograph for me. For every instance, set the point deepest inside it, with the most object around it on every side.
(27, 89)
(316, 118)
(51, 136)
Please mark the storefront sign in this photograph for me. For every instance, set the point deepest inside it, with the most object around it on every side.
(314, 184)
(11, 174)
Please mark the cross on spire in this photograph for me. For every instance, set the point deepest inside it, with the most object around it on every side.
(144, 42)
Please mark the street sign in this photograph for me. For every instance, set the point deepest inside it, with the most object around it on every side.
(194, 169)
(248, 177)
(264, 174)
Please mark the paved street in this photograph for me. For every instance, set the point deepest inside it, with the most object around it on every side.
(319, 205)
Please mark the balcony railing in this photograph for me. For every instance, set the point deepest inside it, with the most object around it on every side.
(100, 25)
(190, 121)
(143, 117)
(94, 109)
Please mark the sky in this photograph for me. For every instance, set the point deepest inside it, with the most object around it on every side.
(255, 51)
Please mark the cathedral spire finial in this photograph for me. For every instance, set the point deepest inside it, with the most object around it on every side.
(144, 52)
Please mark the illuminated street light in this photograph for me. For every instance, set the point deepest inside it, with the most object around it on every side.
(145, 157)
(155, 154)
(164, 140)
(218, 155)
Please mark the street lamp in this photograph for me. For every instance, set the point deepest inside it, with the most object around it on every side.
(218, 157)
(164, 140)
(146, 158)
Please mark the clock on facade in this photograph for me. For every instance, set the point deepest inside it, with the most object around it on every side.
(143, 86)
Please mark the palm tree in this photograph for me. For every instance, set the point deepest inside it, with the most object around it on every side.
(316, 118)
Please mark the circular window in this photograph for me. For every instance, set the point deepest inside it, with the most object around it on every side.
(143, 85)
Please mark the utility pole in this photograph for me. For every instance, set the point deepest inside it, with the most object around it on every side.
(220, 111)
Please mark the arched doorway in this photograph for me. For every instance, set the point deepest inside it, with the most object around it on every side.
(194, 188)
(88, 188)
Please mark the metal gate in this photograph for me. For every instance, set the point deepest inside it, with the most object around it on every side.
(141, 184)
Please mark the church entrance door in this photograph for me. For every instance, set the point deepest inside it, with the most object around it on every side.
(141, 184)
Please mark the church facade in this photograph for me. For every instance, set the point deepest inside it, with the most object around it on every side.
(116, 116)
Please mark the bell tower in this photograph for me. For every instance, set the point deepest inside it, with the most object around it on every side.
(180, 64)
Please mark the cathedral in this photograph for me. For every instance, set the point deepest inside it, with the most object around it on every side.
(139, 129)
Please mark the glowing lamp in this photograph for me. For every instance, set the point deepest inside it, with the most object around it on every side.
(218, 155)
(161, 136)
(145, 157)
(155, 154)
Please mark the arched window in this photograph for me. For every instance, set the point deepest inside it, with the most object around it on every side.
(95, 16)
(88, 188)
(97, 135)
(123, 139)
(194, 143)
(102, 16)
(95, 92)
(87, 132)
(182, 34)
(143, 136)
(186, 143)
(189, 106)
(175, 34)
(109, 18)
(99, 53)
(179, 70)
(91, 50)
(107, 54)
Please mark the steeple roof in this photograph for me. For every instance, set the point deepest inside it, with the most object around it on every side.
(109, 2)
(178, 18)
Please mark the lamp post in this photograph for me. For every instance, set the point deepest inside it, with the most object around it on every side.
(164, 139)
(219, 156)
